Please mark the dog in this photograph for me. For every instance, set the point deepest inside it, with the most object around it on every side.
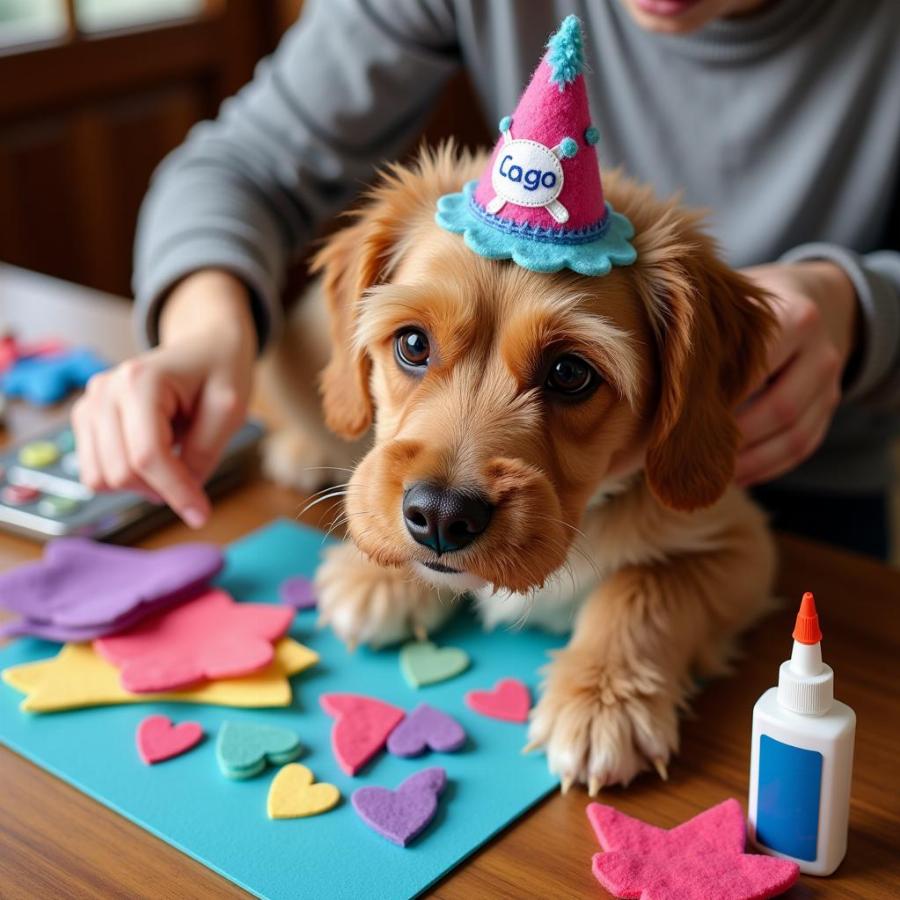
(559, 447)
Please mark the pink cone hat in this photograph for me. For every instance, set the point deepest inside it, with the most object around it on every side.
(540, 200)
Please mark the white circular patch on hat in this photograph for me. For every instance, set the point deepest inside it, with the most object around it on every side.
(526, 173)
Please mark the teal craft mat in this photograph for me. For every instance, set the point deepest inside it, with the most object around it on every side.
(188, 803)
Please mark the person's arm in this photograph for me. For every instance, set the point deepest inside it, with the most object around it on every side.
(348, 87)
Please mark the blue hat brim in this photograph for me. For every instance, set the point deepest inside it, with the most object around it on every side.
(595, 256)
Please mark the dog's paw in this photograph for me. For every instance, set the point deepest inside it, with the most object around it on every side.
(364, 603)
(297, 460)
(602, 723)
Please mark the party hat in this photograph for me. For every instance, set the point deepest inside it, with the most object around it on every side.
(540, 200)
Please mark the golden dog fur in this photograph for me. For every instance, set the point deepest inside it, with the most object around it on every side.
(615, 515)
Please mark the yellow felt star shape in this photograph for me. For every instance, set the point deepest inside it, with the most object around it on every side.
(78, 677)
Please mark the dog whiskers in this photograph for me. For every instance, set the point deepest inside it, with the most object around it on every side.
(337, 492)
(327, 489)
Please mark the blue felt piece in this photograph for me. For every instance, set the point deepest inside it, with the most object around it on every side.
(223, 823)
(42, 380)
(566, 52)
(593, 253)
(568, 147)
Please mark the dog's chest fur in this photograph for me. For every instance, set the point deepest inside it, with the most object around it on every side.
(552, 607)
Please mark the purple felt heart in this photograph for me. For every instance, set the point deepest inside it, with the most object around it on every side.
(402, 814)
(82, 589)
(297, 592)
(426, 728)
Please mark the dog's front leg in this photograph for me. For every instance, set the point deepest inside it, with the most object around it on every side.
(611, 698)
(365, 603)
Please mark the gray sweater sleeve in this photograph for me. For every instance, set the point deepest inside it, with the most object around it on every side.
(349, 86)
(876, 278)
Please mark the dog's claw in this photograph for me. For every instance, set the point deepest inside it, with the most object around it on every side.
(419, 631)
(660, 765)
(594, 786)
(531, 746)
(566, 782)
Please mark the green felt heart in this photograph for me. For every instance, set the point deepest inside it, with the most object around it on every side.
(425, 663)
(243, 749)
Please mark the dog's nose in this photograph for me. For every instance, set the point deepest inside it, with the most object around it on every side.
(442, 518)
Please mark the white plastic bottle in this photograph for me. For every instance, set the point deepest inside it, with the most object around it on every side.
(802, 758)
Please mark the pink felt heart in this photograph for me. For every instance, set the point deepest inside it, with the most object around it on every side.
(158, 739)
(698, 860)
(509, 700)
(207, 638)
(362, 727)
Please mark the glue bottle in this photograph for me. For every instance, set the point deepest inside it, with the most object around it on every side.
(801, 758)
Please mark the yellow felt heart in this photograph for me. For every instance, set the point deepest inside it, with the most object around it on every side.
(292, 794)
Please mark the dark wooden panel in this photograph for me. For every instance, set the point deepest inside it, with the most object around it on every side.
(40, 203)
(71, 185)
(61, 76)
(85, 121)
(116, 148)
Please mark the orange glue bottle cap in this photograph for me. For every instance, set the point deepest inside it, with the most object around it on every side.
(806, 628)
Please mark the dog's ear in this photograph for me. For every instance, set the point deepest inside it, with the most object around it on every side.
(351, 262)
(363, 255)
(713, 326)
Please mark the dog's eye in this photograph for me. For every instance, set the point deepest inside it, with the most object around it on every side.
(570, 376)
(412, 348)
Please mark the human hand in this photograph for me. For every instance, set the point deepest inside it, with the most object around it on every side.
(191, 390)
(787, 416)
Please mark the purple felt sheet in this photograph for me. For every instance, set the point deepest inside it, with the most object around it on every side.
(81, 589)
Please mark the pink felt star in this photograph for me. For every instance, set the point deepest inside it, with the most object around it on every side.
(207, 638)
(703, 859)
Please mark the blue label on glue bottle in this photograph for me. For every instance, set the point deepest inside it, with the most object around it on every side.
(787, 807)
(802, 758)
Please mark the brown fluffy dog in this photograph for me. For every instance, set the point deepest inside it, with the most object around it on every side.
(589, 421)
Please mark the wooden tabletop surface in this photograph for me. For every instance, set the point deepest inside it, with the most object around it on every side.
(55, 842)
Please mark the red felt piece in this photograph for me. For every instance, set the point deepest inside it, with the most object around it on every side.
(362, 727)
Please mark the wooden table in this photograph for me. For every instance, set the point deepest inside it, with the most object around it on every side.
(55, 842)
